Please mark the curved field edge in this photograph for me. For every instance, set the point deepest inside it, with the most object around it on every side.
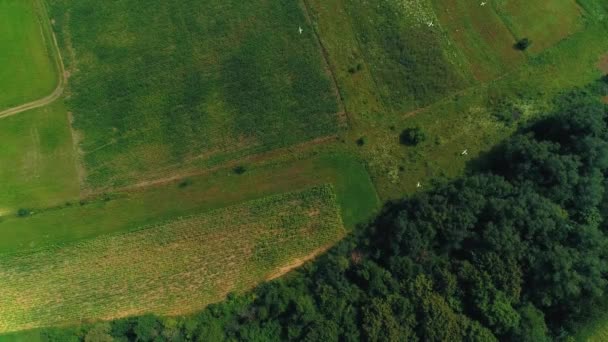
(41, 63)
(169, 269)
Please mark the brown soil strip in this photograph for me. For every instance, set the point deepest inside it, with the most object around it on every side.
(297, 263)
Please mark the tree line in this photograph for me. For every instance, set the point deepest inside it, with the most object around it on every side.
(516, 250)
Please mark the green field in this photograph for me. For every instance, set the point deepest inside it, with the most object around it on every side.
(481, 35)
(27, 62)
(158, 86)
(544, 22)
(407, 52)
(171, 268)
(38, 166)
(122, 212)
(169, 98)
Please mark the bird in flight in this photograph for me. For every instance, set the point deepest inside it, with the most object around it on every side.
(483, 3)
(300, 29)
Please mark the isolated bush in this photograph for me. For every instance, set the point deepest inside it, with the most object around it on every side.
(412, 136)
(239, 170)
(22, 212)
(361, 141)
(523, 44)
(184, 183)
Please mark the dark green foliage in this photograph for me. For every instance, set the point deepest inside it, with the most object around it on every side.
(507, 112)
(360, 141)
(523, 44)
(239, 170)
(412, 136)
(514, 252)
(185, 183)
(22, 212)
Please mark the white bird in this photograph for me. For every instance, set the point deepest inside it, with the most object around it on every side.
(464, 153)
(418, 185)
(483, 3)
(300, 29)
(430, 23)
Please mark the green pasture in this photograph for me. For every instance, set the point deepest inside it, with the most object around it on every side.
(481, 35)
(37, 163)
(462, 120)
(125, 211)
(411, 61)
(27, 62)
(545, 22)
(168, 269)
(160, 84)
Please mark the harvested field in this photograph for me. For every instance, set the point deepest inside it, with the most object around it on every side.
(173, 268)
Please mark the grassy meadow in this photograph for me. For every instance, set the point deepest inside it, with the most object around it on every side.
(545, 22)
(171, 268)
(27, 62)
(406, 51)
(168, 83)
(468, 118)
(122, 212)
(482, 36)
(169, 98)
(38, 166)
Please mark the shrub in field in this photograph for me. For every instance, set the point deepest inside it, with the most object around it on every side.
(523, 44)
(22, 212)
(239, 170)
(412, 136)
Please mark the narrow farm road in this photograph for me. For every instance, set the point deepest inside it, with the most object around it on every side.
(34, 104)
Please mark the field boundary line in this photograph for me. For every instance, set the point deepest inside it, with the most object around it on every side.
(327, 62)
(193, 172)
(62, 81)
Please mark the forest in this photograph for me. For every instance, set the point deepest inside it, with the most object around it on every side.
(515, 250)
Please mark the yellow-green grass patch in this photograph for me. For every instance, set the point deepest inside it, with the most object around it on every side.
(37, 162)
(481, 35)
(173, 268)
(543, 22)
(27, 62)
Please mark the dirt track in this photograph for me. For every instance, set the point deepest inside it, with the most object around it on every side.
(49, 98)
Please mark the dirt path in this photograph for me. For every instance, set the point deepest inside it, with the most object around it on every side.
(58, 90)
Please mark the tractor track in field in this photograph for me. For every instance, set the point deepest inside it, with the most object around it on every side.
(57, 92)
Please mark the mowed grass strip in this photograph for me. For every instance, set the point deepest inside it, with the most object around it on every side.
(27, 65)
(170, 269)
(126, 211)
(37, 160)
(158, 84)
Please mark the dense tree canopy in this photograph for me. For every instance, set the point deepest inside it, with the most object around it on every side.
(514, 251)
